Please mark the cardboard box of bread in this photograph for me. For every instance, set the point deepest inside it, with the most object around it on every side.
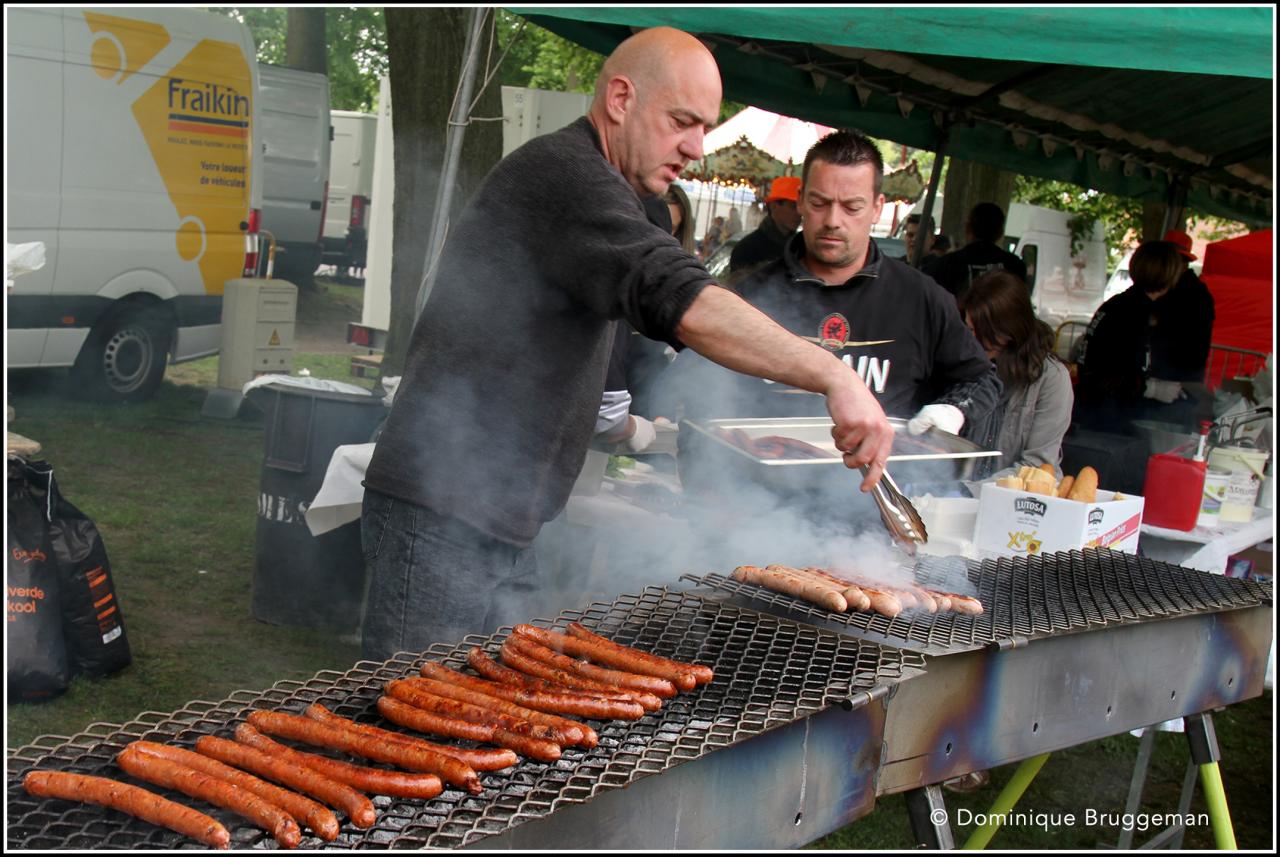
(1034, 513)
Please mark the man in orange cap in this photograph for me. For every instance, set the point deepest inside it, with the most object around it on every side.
(781, 221)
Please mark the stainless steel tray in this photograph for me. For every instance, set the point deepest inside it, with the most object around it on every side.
(932, 457)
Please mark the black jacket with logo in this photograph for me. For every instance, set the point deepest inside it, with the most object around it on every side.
(956, 270)
(896, 327)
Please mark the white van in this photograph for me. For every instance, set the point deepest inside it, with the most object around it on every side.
(132, 155)
(295, 165)
(346, 224)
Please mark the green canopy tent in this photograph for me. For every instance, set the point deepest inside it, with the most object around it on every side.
(1158, 103)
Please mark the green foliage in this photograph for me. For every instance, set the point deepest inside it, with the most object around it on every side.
(357, 48)
(542, 60)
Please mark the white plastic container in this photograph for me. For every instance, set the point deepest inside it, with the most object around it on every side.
(1216, 480)
(1246, 467)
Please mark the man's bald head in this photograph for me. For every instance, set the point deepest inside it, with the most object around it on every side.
(651, 58)
(657, 95)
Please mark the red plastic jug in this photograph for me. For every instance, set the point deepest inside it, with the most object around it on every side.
(1171, 493)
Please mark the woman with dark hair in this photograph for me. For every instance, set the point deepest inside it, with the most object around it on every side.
(1035, 405)
(681, 217)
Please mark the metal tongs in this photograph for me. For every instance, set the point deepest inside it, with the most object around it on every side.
(897, 514)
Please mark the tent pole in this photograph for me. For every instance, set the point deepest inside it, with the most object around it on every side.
(1175, 204)
(452, 152)
(935, 176)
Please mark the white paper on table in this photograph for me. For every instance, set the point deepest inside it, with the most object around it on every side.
(341, 494)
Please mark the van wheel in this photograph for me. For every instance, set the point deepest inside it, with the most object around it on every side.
(124, 358)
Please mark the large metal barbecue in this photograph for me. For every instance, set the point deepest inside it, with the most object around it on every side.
(798, 694)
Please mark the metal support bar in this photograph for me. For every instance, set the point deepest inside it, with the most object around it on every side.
(1205, 753)
(1005, 802)
(1175, 203)
(927, 811)
(1136, 783)
(458, 119)
(915, 254)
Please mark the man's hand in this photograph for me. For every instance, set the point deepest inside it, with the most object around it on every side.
(949, 418)
(642, 435)
(861, 430)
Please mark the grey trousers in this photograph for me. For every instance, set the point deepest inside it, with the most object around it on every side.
(436, 579)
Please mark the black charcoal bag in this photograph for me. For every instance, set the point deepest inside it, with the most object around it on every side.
(92, 620)
(37, 664)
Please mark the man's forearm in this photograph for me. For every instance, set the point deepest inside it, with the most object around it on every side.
(724, 328)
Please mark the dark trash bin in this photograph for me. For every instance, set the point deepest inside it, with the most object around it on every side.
(299, 579)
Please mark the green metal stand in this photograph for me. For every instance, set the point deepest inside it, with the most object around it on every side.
(1205, 753)
(1005, 802)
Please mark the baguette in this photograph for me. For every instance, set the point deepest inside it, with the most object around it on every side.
(1085, 488)
(1064, 487)
(1048, 468)
(1011, 482)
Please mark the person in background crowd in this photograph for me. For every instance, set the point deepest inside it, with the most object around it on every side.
(982, 229)
(1115, 351)
(716, 234)
(896, 327)
(1035, 405)
(1181, 335)
(680, 210)
(909, 233)
(780, 222)
(485, 439)
(941, 246)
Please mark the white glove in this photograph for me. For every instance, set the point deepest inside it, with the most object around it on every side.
(644, 435)
(1162, 391)
(948, 418)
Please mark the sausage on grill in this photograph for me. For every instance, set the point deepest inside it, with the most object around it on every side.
(494, 671)
(609, 653)
(342, 797)
(483, 759)
(564, 702)
(702, 674)
(373, 780)
(574, 733)
(458, 709)
(303, 809)
(173, 775)
(513, 657)
(650, 684)
(130, 800)
(423, 720)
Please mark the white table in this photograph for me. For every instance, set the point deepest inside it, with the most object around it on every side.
(1206, 548)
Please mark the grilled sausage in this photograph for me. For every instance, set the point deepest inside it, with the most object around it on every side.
(430, 722)
(303, 809)
(338, 795)
(566, 702)
(650, 684)
(534, 667)
(458, 709)
(702, 674)
(575, 733)
(335, 737)
(173, 775)
(130, 800)
(494, 671)
(373, 780)
(806, 589)
(964, 604)
(621, 658)
(481, 760)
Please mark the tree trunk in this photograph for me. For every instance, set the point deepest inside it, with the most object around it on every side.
(1153, 219)
(425, 52)
(304, 42)
(967, 185)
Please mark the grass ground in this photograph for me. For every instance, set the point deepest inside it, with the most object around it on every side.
(175, 497)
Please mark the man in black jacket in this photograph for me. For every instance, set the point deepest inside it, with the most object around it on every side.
(780, 223)
(505, 369)
(983, 228)
(893, 325)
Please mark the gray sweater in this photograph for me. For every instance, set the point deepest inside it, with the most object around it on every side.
(1035, 418)
(506, 365)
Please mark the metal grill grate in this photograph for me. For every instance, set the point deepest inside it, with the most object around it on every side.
(770, 671)
(1029, 597)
